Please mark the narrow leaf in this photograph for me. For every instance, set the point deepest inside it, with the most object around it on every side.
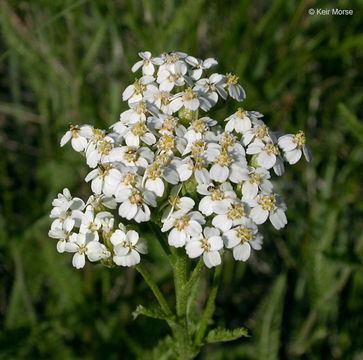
(153, 312)
(220, 334)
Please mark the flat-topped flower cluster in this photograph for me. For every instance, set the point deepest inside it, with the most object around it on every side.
(205, 182)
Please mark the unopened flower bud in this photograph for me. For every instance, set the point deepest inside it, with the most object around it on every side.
(186, 116)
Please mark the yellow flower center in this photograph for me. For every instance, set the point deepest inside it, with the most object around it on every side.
(254, 178)
(261, 132)
(223, 159)
(103, 169)
(244, 235)
(140, 108)
(82, 249)
(199, 126)
(227, 140)
(139, 88)
(97, 135)
(241, 113)
(232, 79)
(236, 212)
(128, 244)
(271, 149)
(154, 172)
(74, 131)
(188, 95)
(171, 59)
(174, 201)
(136, 197)
(162, 159)
(216, 194)
(164, 97)
(181, 223)
(131, 154)
(205, 244)
(299, 139)
(104, 147)
(129, 179)
(139, 129)
(169, 124)
(166, 143)
(267, 202)
(198, 148)
(92, 226)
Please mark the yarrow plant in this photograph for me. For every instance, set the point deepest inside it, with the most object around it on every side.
(202, 185)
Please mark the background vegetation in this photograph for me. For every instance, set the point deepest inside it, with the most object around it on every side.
(68, 61)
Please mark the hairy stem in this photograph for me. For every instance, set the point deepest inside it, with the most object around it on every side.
(155, 289)
(209, 309)
(160, 237)
(180, 268)
(182, 337)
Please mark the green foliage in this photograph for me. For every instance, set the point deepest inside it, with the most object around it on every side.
(153, 312)
(220, 334)
(67, 62)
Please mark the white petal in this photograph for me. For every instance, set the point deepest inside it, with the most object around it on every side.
(78, 260)
(176, 238)
(278, 219)
(222, 222)
(194, 249)
(171, 176)
(117, 237)
(194, 228)
(136, 67)
(97, 184)
(242, 252)
(307, 153)
(258, 215)
(265, 160)
(249, 190)
(157, 186)
(79, 143)
(216, 243)
(132, 236)
(206, 206)
(293, 156)
(128, 92)
(65, 138)
(211, 258)
(219, 173)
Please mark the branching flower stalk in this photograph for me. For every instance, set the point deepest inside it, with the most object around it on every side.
(202, 185)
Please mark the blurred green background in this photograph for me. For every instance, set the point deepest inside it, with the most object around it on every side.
(68, 62)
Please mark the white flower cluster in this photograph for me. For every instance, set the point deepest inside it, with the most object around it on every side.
(206, 182)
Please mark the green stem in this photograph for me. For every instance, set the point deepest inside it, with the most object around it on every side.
(180, 268)
(195, 276)
(182, 338)
(209, 309)
(160, 237)
(155, 289)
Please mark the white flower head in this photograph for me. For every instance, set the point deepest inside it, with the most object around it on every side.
(147, 63)
(235, 90)
(166, 157)
(79, 142)
(268, 206)
(127, 247)
(183, 227)
(293, 146)
(81, 246)
(208, 243)
(235, 215)
(135, 204)
(199, 65)
(242, 238)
